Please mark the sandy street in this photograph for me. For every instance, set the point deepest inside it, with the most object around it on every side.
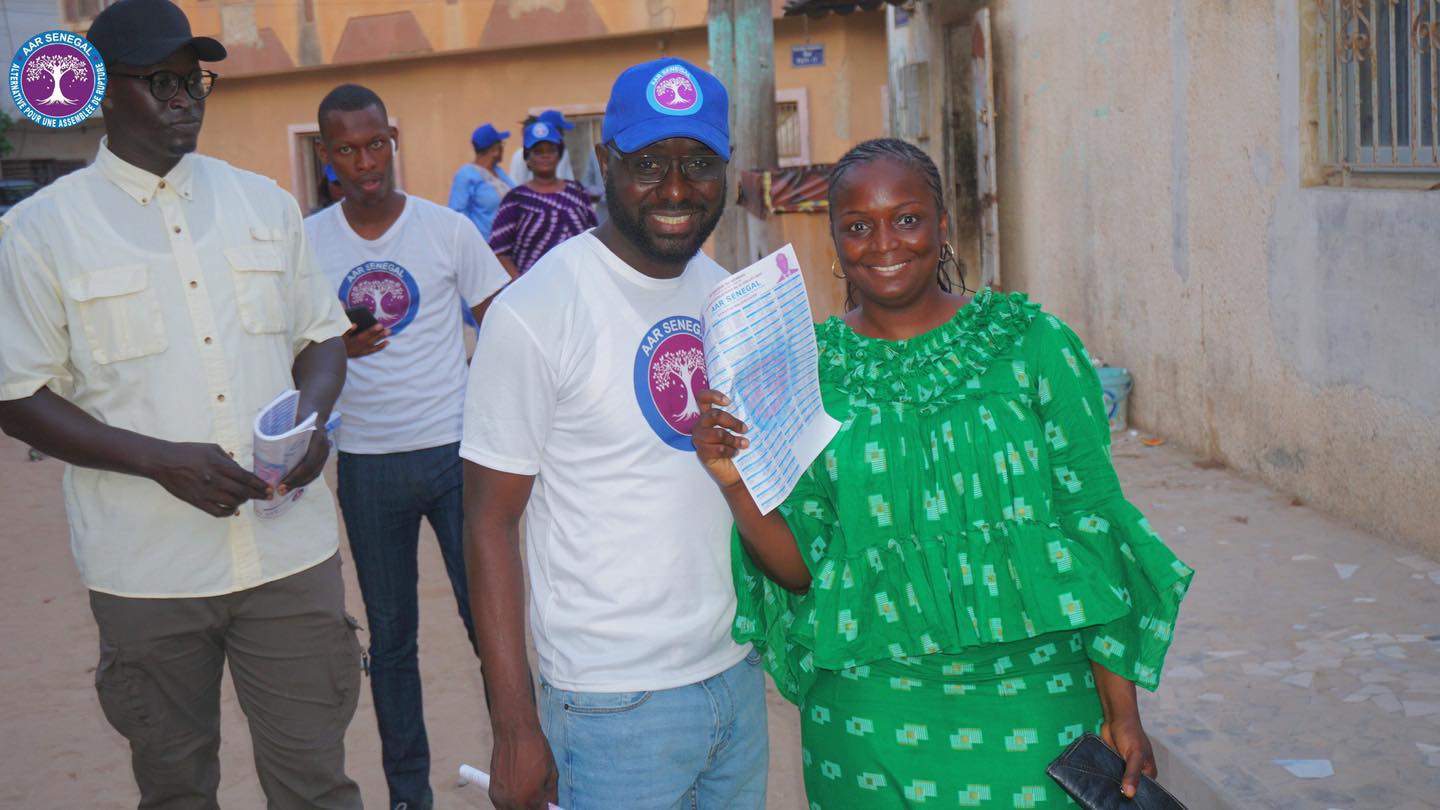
(1305, 640)
(59, 752)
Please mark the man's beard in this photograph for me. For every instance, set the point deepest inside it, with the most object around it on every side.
(634, 229)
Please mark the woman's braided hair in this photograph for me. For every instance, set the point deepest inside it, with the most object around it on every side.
(907, 154)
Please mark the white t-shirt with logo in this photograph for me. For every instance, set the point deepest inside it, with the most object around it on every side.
(585, 377)
(410, 394)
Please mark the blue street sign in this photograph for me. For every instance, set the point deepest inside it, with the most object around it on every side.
(807, 55)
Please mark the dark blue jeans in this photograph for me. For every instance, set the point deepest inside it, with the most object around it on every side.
(383, 497)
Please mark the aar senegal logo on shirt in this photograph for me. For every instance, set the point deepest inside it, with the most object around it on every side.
(669, 372)
(57, 79)
(673, 91)
(384, 288)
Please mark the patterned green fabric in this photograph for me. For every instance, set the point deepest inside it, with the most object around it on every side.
(970, 730)
(968, 500)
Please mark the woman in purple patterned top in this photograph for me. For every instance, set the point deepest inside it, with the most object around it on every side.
(544, 212)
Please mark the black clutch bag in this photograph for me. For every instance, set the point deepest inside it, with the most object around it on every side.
(1090, 771)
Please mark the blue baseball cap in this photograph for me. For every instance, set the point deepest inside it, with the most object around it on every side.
(330, 174)
(667, 98)
(555, 118)
(486, 136)
(542, 131)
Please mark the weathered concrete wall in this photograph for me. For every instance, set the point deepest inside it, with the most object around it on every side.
(1151, 194)
(935, 37)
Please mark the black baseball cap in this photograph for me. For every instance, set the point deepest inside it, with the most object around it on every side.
(143, 32)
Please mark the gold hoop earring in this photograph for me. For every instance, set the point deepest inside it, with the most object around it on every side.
(835, 263)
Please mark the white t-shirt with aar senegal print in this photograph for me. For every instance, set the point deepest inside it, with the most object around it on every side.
(585, 376)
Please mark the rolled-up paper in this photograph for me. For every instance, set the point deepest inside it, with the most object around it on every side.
(470, 775)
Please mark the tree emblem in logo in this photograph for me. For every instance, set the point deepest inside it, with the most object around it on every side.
(375, 291)
(57, 79)
(669, 372)
(673, 91)
(386, 289)
(678, 368)
(56, 65)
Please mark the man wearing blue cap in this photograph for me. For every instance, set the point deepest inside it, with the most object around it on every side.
(480, 184)
(578, 417)
(153, 302)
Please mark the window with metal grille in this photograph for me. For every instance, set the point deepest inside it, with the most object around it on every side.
(1380, 84)
(40, 171)
(580, 148)
(787, 129)
(792, 126)
(911, 115)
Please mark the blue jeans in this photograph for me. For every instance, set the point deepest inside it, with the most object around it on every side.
(383, 497)
(704, 746)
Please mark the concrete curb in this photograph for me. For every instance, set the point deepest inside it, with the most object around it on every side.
(1183, 777)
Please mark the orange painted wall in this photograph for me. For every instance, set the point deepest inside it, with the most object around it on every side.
(438, 100)
(314, 32)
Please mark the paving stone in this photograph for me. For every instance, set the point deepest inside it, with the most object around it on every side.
(1418, 708)
(1387, 701)
(1418, 563)
(1302, 679)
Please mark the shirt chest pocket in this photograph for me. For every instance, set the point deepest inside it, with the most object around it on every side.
(259, 277)
(118, 312)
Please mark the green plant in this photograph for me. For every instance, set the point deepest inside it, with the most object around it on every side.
(6, 122)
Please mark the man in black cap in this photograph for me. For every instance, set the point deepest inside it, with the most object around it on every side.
(154, 302)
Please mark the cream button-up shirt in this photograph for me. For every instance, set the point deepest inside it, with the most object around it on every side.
(173, 307)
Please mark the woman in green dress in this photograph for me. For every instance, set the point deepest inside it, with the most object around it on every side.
(957, 588)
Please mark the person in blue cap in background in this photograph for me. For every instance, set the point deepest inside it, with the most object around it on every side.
(332, 185)
(577, 417)
(543, 212)
(478, 188)
(590, 178)
(328, 190)
(519, 172)
(480, 184)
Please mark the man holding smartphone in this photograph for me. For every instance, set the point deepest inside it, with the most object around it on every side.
(400, 265)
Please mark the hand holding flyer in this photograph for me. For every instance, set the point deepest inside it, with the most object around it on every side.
(760, 351)
(279, 444)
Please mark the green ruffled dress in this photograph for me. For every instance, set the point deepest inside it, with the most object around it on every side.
(971, 553)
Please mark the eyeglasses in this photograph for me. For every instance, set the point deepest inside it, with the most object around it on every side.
(164, 84)
(651, 169)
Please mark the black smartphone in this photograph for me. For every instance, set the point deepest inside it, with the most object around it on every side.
(362, 317)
